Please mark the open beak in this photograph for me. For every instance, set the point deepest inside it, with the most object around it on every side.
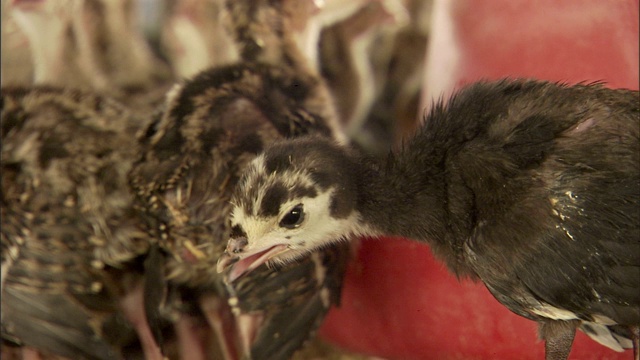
(245, 262)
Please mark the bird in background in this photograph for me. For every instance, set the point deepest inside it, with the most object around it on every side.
(529, 186)
(74, 272)
(92, 45)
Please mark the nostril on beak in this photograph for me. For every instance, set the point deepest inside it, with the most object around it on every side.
(235, 246)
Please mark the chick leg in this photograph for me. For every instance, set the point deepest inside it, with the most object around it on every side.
(29, 353)
(558, 337)
(190, 339)
(212, 308)
(133, 309)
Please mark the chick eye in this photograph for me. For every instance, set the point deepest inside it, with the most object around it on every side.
(293, 218)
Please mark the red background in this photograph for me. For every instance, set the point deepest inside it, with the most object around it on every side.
(400, 303)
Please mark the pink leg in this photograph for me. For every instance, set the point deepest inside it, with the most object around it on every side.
(29, 353)
(133, 309)
(190, 339)
(213, 311)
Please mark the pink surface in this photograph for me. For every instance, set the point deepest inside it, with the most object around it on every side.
(555, 40)
(400, 303)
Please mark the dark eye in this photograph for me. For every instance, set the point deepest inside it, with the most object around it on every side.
(293, 218)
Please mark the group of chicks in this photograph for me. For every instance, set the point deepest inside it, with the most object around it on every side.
(120, 152)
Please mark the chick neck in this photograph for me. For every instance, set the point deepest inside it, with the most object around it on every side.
(407, 194)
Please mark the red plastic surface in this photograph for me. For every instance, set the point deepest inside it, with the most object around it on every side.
(400, 303)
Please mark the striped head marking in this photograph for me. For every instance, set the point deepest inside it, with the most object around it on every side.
(288, 203)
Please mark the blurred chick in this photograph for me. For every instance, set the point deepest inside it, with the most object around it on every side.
(194, 36)
(373, 64)
(72, 277)
(88, 44)
(269, 314)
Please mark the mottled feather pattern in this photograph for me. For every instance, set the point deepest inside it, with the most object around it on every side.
(218, 121)
(139, 216)
(68, 153)
(312, 287)
(213, 125)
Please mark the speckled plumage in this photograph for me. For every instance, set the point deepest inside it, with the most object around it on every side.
(66, 162)
(213, 125)
(176, 198)
(529, 186)
(69, 236)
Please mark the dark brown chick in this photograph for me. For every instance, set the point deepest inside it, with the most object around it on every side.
(529, 186)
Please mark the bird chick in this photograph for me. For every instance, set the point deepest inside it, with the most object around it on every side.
(90, 44)
(71, 280)
(531, 187)
(194, 36)
(212, 127)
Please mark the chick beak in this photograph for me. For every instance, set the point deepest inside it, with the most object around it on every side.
(245, 262)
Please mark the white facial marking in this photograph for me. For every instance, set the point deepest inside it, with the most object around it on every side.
(263, 230)
(318, 229)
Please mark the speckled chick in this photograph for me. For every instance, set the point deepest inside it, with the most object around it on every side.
(71, 274)
(212, 127)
